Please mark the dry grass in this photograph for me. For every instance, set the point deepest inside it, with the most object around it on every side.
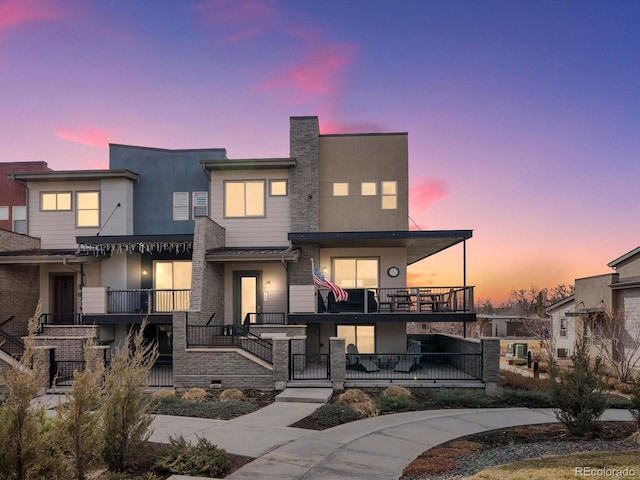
(564, 467)
(359, 402)
(231, 394)
(395, 391)
(163, 393)
(195, 395)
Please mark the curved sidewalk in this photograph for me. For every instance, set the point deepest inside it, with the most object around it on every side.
(375, 448)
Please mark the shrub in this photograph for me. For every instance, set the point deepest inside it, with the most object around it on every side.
(163, 393)
(333, 414)
(515, 381)
(231, 394)
(195, 395)
(396, 391)
(579, 394)
(218, 410)
(359, 402)
(202, 459)
(401, 403)
(527, 398)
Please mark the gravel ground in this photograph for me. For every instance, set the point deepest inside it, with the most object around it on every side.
(471, 464)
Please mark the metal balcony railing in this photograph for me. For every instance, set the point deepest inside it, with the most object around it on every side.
(147, 300)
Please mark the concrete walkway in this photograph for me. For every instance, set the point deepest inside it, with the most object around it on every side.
(376, 448)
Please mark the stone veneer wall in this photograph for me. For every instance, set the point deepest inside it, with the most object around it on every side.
(207, 278)
(19, 285)
(211, 367)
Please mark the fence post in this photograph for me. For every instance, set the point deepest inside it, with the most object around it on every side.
(490, 364)
(280, 359)
(337, 362)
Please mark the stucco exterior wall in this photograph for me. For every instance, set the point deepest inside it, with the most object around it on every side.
(594, 292)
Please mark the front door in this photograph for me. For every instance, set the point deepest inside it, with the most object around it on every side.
(63, 299)
(247, 296)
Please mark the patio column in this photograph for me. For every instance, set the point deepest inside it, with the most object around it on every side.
(338, 361)
(490, 364)
(280, 362)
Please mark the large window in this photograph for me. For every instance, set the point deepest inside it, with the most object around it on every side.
(55, 201)
(389, 195)
(88, 209)
(244, 199)
(362, 336)
(355, 272)
(20, 219)
(173, 279)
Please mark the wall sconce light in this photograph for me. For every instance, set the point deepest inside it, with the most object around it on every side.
(145, 271)
(324, 269)
(267, 283)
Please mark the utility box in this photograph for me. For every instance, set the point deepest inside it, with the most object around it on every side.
(520, 350)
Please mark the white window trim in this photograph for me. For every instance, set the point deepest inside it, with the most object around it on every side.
(180, 206)
(4, 209)
(199, 209)
(18, 218)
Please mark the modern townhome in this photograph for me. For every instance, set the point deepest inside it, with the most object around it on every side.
(604, 309)
(253, 272)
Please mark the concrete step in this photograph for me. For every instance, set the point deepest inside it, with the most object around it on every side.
(305, 395)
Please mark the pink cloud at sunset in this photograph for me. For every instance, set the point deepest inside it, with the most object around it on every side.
(240, 20)
(316, 76)
(85, 135)
(16, 12)
(423, 192)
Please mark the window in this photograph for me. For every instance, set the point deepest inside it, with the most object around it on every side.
(355, 272)
(4, 213)
(172, 281)
(369, 188)
(180, 206)
(389, 195)
(362, 336)
(55, 201)
(563, 353)
(244, 199)
(88, 209)
(340, 189)
(563, 327)
(200, 204)
(20, 219)
(278, 188)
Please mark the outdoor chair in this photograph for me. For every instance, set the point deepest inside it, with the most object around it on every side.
(356, 362)
(411, 361)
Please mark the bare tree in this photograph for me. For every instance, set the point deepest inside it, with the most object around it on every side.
(617, 340)
(528, 301)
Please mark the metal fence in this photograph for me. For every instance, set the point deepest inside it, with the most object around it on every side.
(229, 335)
(266, 318)
(309, 366)
(147, 300)
(425, 366)
(160, 375)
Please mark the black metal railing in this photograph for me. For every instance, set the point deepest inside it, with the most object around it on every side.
(11, 345)
(62, 371)
(59, 319)
(410, 366)
(147, 300)
(160, 375)
(309, 366)
(266, 318)
(229, 335)
(399, 300)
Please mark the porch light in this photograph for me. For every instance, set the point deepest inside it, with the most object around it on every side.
(267, 283)
(145, 271)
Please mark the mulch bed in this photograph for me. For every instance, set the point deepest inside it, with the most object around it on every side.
(465, 456)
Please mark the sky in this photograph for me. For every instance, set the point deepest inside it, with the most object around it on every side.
(523, 116)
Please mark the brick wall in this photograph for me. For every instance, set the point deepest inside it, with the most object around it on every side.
(303, 146)
(490, 364)
(300, 271)
(10, 241)
(19, 294)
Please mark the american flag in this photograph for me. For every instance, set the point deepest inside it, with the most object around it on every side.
(340, 294)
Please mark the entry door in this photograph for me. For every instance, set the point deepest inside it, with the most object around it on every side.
(247, 296)
(63, 299)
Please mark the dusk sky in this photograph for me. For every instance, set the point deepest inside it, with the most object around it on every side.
(523, 116)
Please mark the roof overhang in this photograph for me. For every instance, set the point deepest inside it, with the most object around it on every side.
(284, 254)
(39, 257)
(585, 312)
(101, 245)
(248, 164)
(419, 244)
(68, 175)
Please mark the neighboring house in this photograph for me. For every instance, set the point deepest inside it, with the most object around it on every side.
(217, 254)
(509, 325)
(563, 326)
(13, 195)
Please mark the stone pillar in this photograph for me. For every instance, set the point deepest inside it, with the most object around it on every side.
(338, 361)
(298, 346)
(180, 356)
(280, 362)
(490, 364)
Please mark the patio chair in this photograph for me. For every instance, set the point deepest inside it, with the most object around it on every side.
(356, 362)
(411, 361)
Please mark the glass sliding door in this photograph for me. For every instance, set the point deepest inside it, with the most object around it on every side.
(172, 282)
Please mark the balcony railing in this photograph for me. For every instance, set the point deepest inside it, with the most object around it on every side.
(399, 300)
(147, 301)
